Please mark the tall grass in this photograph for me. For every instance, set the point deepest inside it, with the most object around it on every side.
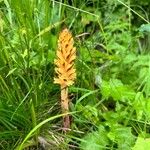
(26, 73)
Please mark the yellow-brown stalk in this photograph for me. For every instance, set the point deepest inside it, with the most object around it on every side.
(66, 73)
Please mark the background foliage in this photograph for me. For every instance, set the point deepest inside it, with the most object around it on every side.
(111, 95)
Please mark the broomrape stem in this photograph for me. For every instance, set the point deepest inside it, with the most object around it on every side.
(65, 106)
(66, 73)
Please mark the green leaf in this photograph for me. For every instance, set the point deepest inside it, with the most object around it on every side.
(147, 108)
(117, 90)
(139, 105)
(130, 58)
(96, 140)
(122, 136)
(90, 113)
(10, 72)
(145, 28)
(86, 95)
(142, 144)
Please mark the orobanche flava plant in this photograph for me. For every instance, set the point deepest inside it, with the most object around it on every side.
(66, 73)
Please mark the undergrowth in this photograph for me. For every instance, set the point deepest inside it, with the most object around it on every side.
(110, 100)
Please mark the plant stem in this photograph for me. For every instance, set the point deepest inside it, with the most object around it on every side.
(65, 106)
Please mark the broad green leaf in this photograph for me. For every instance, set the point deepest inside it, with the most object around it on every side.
(117, 90)
(142, 144)
(96, 140)
(122, 136)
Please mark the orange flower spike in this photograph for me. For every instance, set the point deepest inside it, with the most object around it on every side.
(66, 54)
(66, 73)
